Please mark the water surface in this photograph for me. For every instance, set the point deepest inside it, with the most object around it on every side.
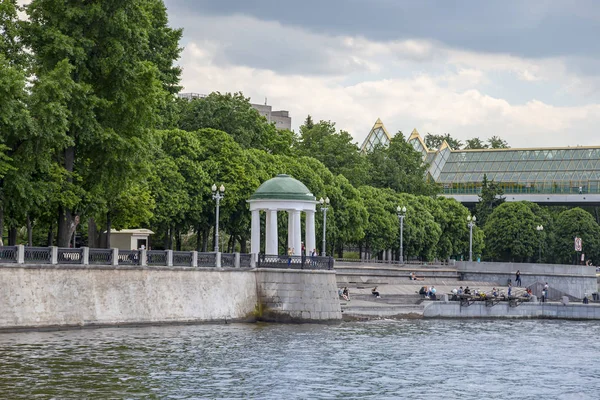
(426, 359)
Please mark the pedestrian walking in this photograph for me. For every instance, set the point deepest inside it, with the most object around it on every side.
(518, 278)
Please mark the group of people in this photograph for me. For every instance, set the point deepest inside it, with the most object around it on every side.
(291, 251)
(428, 292)
(345, 294)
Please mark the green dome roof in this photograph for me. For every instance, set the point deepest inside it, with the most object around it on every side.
(282, 187)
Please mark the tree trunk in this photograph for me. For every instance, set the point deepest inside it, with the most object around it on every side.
(92, 233)
(198, 238)
(65, 216)
(1, 224)
(29, 232)
(50, 238)
(205, 233)
(171, 229)
(243, 245)
(108, 228)
(178, 240)
(12, 236)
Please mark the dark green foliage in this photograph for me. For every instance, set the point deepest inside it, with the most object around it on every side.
(433, 142)
(489, 198)
(570, 224)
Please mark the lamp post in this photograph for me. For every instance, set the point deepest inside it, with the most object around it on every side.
(217, 196)
(540, 229)
(324, 208)
(401, 211)
(471, 224)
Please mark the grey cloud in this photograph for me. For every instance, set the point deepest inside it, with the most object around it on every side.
(533, 28)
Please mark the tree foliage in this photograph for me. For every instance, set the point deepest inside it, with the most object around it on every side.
(489, 198)
(573, 223)
(435, 141)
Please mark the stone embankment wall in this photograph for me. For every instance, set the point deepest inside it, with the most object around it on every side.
(573, 280)
(453, 309)
(61, 296)
(287, 295)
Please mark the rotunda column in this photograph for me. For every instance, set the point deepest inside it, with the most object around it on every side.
(297, 233)
(309, 240)
(290, 230)
(255, 234)
(271, 241)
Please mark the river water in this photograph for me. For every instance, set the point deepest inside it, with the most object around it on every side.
(424, 359)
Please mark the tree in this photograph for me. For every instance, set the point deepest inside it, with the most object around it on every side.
(475, 143)
(435, 141)
(510, 232)
(308, 123)
(496, 142)
(489, 198)
(335, 149)
(573, 223)
(115, 60)
(399, 167)
(233, 114)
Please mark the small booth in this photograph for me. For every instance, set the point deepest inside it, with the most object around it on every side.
(130, 239)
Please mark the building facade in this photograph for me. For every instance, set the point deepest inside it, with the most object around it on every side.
(281, 119)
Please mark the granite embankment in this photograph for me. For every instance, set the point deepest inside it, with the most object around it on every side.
(67, 296)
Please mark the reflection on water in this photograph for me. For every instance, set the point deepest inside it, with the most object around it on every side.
(448, 359)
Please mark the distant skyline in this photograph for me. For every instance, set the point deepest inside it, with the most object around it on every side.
(525, 71)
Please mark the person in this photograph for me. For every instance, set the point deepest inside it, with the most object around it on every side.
(460, 290)
(423, 292)
(467, 290)
(303, 248)
(412, 276)
(494, 292)
(346, 293)
(342, 295)
(545, 293)
(375, 292)
(433, 291)
(585, 299)
(518, 278)
(290, 252)
(313, 257)
(454, 294)
(509, 289)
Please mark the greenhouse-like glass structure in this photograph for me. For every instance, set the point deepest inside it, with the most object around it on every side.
(565, 170)
(378, 136)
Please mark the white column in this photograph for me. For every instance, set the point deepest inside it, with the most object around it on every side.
(297, 233)
(271, 234)
(309, 239)
(255, 233)
(290, 243)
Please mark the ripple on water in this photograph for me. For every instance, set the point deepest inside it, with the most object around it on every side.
(378, 359)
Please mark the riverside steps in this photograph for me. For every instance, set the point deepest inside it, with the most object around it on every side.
(400, 298)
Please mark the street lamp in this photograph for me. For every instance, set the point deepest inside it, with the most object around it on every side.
(540, 229)
(401, 211)
(324, 208)
(471, 224)
(217, 196)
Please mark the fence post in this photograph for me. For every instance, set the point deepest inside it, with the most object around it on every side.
(218, 259)
(143, 257)
(253, 258)
(169, 258)
(236, 260)
(85, 255)
(115, 256)
(53, 255)
(195, 259)
(20, 254)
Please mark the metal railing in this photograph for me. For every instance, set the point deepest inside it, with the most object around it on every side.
(8, 254)
(39, 255)
(207, 259)
(156, 257)
(182, 258)
(129, 257)
(245, 260)
(70, 256)
(100, 256)
(88, 256)
(227, 260)
(295, 262)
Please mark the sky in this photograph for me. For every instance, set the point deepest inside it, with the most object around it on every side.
(527, 71)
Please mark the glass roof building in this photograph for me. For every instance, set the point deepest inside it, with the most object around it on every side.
(377, 136)
(564, 175)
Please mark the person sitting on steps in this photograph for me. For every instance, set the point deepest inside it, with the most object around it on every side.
(375, 292)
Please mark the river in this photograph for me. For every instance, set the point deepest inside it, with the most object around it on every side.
(410, 359)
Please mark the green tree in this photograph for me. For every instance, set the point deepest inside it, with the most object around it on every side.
(115, 55)
(399, 167)
(489, 198)
(496, 142)
(573, 223)
(510, 233)
(475, 143)
(335, 149)
(435, 141)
